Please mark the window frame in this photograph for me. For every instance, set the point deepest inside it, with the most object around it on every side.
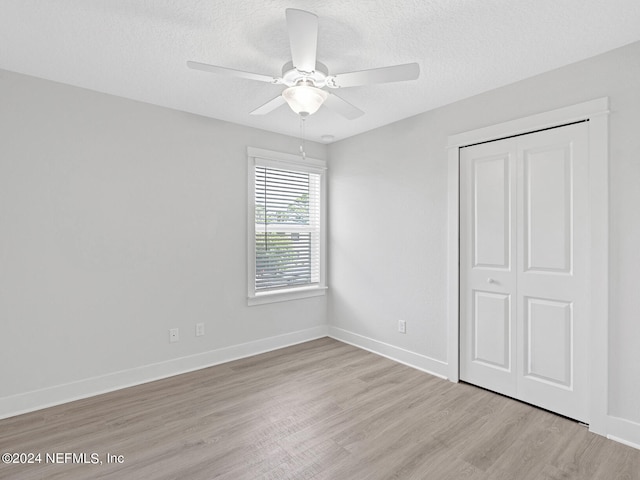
(268, 158)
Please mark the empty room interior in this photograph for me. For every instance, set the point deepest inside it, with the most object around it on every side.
(320, 240)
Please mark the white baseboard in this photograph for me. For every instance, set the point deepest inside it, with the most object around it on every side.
(624, 431)
(400, 355)
(618, 429)
(48, 397)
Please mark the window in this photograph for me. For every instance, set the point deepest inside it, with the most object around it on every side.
(286, 227)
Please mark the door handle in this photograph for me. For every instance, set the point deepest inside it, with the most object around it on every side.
(491, 280)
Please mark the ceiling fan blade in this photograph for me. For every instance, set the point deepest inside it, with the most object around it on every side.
(230, 72)
(341, 106)
(303, 38)
(270, 106)
(397, 73)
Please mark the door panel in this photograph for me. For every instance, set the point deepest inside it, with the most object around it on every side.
(548, 341)
(524, 268)
(489, 305)
(553, 270)
(491, 212)
(492, 329)
(547, 208)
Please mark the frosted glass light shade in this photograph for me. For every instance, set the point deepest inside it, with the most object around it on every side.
(304, 99)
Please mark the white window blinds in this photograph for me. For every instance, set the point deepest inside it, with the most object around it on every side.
(287, 228)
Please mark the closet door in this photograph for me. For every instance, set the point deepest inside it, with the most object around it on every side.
(524, 315)
(553, 240)
(488, 274)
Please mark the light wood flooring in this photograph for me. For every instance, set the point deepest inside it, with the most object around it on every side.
(319, 410)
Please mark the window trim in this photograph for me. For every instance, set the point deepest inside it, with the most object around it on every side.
(268, 158)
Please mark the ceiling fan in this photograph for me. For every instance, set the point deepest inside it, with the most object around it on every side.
(306, 78)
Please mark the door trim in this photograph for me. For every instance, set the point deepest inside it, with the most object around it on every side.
(597, 112)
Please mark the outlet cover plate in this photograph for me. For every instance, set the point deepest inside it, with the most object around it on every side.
(199, 329)
(174, 335)
(402, 326)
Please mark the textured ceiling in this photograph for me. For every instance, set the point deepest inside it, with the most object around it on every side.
(138, 48)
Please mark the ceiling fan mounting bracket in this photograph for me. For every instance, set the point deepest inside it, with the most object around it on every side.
(330, 82)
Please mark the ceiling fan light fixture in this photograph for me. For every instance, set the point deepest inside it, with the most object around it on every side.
(304, 99)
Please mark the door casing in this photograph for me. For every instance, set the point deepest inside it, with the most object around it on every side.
(596, 112)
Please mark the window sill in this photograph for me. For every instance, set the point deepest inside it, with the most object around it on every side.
(285, 296)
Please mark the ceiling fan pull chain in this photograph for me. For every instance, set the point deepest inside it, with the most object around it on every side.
(302, 135)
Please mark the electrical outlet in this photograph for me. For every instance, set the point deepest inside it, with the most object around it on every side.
(174, 335)
(199, 329)
(402, 326)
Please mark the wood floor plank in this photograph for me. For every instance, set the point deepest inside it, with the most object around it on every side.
(322, 410)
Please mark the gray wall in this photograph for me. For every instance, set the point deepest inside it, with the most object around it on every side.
(388, 214)
(118, 221)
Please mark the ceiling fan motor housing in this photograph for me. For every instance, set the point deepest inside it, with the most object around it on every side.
(291, 76)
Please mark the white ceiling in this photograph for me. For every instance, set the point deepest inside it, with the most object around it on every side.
(138, 48)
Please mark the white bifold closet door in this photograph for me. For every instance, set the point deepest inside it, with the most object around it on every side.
(524, 268)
